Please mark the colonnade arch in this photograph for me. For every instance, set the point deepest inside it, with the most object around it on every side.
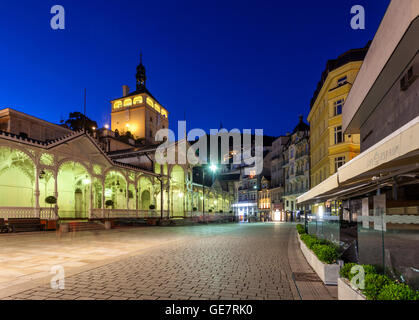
(74, 183)
(17, 176)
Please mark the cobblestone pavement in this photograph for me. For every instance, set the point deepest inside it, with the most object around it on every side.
(247, 261)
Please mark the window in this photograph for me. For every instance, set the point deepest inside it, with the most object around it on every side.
(150, 102)
(342, 81)
(138, 100)
(338, 107)
(339, 162)
(117, 104)
(338, 135)
(127, 102)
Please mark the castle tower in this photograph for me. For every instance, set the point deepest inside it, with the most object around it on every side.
(138, 112)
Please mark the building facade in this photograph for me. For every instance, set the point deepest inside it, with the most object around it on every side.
(378, 214)
(138, 112)
(296, 168)
(99, 176)
(264, 200)
(278, 179)
(330, 148)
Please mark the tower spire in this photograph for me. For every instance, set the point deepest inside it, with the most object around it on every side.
(141, 75)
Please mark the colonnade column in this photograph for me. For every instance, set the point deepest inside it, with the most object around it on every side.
(37, 193)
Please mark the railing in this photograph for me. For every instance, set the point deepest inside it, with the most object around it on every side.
(48, 214)
(27, 212)
(17, 212)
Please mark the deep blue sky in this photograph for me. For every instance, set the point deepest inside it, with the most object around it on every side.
(247, 64)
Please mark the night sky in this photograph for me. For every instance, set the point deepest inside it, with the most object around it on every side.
(245, 64)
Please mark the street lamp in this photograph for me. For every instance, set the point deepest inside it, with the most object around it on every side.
(213, 169)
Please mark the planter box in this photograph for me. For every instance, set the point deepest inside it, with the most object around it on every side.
(328, 273)
(108, 224)
(346, 292)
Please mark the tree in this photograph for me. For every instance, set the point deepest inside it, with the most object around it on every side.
(75, 122)
(125, 136)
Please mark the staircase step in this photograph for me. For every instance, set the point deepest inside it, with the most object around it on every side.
(85, 226)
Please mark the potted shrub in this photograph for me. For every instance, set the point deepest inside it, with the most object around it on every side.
(51, 200)
(152, 208)
(108, 203)
(374, 287)
(194, 209)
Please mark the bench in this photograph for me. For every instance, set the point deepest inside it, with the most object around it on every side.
(3, 226)
(24, 224)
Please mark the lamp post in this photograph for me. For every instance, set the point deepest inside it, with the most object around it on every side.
(213, 168)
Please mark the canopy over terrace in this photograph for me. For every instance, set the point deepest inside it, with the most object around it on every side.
(393, 160)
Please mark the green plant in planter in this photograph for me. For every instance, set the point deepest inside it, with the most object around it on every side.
(152, 207)
(326, 253)
(374, 283)
(130, 194)
(194, 209)
(51, 200)
(210, 210)
(109, 203)
(345, 271)
(309, 240)
(397, 291)
(301, 229)
(221, 211)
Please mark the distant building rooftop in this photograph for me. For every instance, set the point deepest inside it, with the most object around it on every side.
(349, 56)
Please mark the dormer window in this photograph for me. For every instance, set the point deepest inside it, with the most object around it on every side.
(342, 81)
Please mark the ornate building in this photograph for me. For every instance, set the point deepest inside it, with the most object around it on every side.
(296, 167)
(138, 112)
(101, 176)
(278, 179)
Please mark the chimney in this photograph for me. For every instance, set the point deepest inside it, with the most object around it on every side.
(125, 90)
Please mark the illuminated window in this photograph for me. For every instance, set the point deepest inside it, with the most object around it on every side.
(117, 104)
(157, 107)
(138, 100)
(164, 113)
(150, 102)
(127, 102)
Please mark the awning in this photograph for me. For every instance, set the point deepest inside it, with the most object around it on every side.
(323, 187)
(397, 153)
(397, 145)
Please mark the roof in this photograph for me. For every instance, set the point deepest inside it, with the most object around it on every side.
(7, 111)
(141, 90)
(347, 57)
(65, 139)
(301, 126)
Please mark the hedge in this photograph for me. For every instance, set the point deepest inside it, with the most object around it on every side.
(326, 251)
(378, 286)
